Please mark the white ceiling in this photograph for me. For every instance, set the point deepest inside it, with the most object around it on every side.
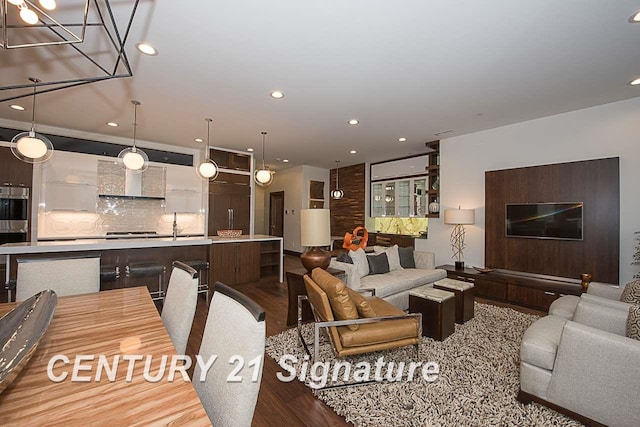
(403, 68)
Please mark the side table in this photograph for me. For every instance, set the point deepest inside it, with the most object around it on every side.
(295, 287)
(438, 310)
(464, 294)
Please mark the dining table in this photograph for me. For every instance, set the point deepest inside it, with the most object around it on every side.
(113, 324)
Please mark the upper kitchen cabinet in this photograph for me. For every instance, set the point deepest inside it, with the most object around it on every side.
(184, 190)
(69, 183)
(231, 161)
(14, 172)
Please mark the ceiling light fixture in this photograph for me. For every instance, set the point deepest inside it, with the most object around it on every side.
(276, 94)
(199, 140)
(285, 161)
(263, 176)
(32, 147)
(353, 122)
(402, 139)
(208, 169)
(635, 82)
(17, 107)
(113, 124)
(48, 4)
(337, 194)
(133, 158)
(635, 18)
(147, 49)
(250, 150)
(352, 152)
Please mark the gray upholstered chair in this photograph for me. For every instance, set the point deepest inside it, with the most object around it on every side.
(565, 306)
(235, 326)
(585, 367)
(180, 304)
(65, 276)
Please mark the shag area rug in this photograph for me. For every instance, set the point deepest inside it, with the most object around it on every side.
(477, 386)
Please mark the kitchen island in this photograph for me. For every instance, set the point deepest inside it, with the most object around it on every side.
(246, 258)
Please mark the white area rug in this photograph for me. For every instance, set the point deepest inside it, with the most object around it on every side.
(477, 386)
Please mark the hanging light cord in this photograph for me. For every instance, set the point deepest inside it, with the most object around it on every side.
(33, 109)
(208, 125)
(337, 167)
(135, 123)
(263, 136)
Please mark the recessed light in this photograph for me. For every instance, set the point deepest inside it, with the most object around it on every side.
(198, 140)
(285, 161)
(352, 152)
(113, 124)
(147, 49)
(353, 122)
(402, 139)
(635, 82)
(17, 107)
(276, 94)
(250, 150)
(635, 18)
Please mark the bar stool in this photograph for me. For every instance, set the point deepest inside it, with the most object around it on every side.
(109, 273)
(203, 285)
(145, 269)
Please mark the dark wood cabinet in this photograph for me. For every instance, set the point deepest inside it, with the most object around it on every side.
(230, 160)
(235, 263)
(14, 172)
(230, 191)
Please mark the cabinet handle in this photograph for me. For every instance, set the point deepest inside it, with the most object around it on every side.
(549, 293)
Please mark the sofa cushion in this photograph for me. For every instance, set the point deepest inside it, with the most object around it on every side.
(406, 257)
(362, 304)
(633, 322)
(342, 305)
(344, 258)
(564, 306)
(540, 341)
(380, 332)
(400, 280)
(392, 255)
(378, 264)
(631, 293)
(360, 262)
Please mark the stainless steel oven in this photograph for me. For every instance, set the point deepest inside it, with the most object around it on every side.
(14, 214)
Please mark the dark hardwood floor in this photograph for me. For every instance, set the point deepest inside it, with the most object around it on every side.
(283, 404)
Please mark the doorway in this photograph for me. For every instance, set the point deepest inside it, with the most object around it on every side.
(276, 213)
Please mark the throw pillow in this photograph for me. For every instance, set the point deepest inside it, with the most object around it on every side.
(344, 258)
(363, 306)
(406, 257)
(631, 293)
(360, 262)
(633, 322)
(341, 303)
(393, 256)
(378, 264)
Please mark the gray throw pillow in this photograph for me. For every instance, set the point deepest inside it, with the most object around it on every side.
(633, 322)
(378, 264)
(360, 262)
(344, 258)
(406, 257)
(631, 293)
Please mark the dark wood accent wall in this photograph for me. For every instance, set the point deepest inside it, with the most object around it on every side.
(348, 212)
(596, 183)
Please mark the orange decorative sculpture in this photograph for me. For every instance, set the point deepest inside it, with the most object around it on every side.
(352, 241)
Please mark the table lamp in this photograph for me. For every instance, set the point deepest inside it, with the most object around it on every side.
(459, 218)
(315, 232)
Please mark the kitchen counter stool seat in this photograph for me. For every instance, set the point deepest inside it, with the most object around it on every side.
(145, 269)
(201, 266)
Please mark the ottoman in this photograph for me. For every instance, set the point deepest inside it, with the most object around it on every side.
(438, 309)
(464, 292)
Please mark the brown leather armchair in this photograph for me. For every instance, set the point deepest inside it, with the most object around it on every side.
(391, 328)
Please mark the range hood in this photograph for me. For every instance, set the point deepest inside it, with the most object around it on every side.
(132, 188)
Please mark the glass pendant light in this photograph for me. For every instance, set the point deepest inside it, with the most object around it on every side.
(337, 194)
(208, 169)
(263, 176)
(32, 147)
(133, 158)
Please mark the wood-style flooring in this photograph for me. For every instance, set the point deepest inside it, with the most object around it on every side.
(282, 404)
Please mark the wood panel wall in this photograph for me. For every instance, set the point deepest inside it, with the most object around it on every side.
(596, 183)
(348, 212)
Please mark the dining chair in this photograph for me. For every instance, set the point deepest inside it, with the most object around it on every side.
(180, 304)
(68, 275)
(235, 332)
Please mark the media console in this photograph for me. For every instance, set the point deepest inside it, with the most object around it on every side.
(536, 291)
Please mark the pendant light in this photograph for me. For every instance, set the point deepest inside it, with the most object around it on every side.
(208, 169)
(337, 194)
(132, 158)
(32, 147)
(264, 176)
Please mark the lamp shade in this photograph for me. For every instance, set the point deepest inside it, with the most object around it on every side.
(460, 216)
(315, 227)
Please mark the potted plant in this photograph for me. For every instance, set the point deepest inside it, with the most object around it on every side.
(636, 255)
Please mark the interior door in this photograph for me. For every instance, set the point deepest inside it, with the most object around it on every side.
(276, 213)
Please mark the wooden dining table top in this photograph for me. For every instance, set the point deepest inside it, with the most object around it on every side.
(118, 322)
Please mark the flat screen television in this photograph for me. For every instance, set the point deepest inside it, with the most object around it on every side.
(545, 220)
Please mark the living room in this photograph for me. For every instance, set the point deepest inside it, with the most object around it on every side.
(473, 108)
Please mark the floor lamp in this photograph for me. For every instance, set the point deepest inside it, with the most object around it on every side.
(315, 232)
(459, 218)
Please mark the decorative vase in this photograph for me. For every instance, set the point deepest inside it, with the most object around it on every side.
(434, 207)
(436, 184)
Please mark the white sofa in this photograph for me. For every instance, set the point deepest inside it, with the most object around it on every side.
(395, 285)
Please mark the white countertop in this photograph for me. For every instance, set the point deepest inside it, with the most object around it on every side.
(244, 238)
(99, 245)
